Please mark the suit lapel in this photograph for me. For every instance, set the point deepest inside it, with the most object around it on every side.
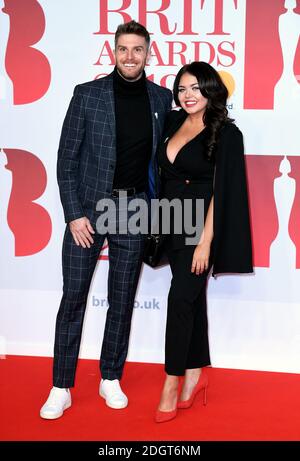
(154, 115)
(109, 101)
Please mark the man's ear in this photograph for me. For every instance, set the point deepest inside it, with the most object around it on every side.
(148, 56)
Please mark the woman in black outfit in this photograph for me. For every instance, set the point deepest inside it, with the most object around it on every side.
(201, 157)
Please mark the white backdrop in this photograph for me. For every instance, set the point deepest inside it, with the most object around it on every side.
(46, 48)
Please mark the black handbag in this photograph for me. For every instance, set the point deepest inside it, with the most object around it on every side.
(155, 250)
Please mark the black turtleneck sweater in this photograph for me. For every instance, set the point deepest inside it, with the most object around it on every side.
(133, 132)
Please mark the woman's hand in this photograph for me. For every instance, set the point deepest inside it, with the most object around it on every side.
(201, 258)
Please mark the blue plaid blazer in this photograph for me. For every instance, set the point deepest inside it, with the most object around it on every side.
(87, 149)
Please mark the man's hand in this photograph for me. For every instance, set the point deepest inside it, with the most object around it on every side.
(81, 230)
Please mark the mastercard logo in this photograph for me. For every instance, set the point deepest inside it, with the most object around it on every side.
(228, 81)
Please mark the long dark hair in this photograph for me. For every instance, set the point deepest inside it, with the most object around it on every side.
(212, 88)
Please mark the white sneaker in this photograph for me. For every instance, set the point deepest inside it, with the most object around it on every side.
(58, 401)
(113, 394)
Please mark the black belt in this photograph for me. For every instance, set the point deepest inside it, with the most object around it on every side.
(129, 192)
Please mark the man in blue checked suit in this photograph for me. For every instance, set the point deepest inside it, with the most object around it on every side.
(107, 147)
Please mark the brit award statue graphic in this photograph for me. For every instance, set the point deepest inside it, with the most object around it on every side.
(287, 89)
(286, 106)
(283, 249)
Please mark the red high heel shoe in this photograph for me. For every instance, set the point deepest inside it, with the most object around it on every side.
(163, 416)
(201, 384)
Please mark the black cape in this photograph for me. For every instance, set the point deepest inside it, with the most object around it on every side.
(232, 246)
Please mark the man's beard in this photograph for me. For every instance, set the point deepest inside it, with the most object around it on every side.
(131, 77)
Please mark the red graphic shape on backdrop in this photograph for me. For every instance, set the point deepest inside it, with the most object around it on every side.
(263, 54)
(29, 222)
(28, 68)
(262, 171)
(294, 222)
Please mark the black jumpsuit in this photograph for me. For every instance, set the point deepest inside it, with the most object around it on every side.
(190, 176)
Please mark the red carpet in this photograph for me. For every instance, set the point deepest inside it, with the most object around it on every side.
(242, 405)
